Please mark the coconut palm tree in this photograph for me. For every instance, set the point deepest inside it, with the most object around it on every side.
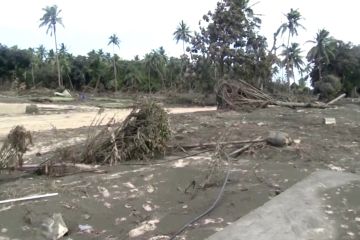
(41, 53)
(50, 19)
(322, 51)
(293, 59)
(182, 33)
(114, 40)
(291, 26)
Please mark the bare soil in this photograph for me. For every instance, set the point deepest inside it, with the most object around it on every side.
(147, 200)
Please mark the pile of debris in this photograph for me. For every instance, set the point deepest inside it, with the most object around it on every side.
(14, 147)
(141, 136)
(240, 95)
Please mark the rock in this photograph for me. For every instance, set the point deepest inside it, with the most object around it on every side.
(53, 228)
(104, 192)
(278, 139)
(32, 109)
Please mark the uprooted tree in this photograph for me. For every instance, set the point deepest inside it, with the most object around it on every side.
(14, 147)
(141, 136)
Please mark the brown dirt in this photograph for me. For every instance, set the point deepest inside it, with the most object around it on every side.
(153, 194)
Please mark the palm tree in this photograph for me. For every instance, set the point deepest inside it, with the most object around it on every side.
(65, 59)
(182, 33)
(293, 59)
(50, 19)
(322, 51)
(291, 26)
(114, 40)
(41, 53)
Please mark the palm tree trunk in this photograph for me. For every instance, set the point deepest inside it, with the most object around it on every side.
(57, 59)
(149, 81)
(115, 80)
(71, 84)
(32, 74)
(97, 84)
(320, 75)
(287, 61)
(183, 47)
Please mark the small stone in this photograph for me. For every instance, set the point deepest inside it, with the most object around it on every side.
(104, 192)
(147, 207)
(344, 226)
(86, 216)
(4, 230)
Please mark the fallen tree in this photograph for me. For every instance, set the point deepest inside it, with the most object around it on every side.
(141, 136)
(240, 95)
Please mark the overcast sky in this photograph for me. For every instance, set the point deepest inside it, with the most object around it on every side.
(143, 25)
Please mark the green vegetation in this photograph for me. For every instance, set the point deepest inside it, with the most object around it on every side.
(227, 45)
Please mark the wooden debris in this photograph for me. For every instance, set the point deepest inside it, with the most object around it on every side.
(214, 144)
(33, 197)
(14, 147)
(336, 99)
(240, 95)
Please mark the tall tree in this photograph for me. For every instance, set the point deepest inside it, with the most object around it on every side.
(114, 41)
(291, 26)
(182, 33)
(322, 52)
(231, 41)
(293, 59)
(50, 19)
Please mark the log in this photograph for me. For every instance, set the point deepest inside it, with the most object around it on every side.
(213, 144)
(237, 152)
(45, 168)
(336, 99)
(299, 104)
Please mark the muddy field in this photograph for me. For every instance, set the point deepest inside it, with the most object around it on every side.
(148, 200)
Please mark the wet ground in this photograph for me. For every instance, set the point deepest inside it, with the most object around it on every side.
(148, 201)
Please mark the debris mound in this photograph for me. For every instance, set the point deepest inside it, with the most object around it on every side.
(14, 147)
(240, 95)
(142, 135)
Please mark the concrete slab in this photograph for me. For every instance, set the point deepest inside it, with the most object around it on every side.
(314, 209)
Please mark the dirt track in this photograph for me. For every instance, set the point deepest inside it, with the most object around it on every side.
(14, 114)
